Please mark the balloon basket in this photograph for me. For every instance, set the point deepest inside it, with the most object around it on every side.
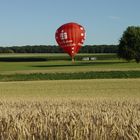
(72, 60)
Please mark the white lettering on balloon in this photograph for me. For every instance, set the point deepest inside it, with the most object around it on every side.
(63, 35)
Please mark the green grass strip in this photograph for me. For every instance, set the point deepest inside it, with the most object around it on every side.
(70, 76)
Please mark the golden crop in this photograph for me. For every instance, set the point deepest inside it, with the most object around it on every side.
(70, 119)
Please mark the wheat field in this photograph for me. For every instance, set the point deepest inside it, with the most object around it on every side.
(38, 115)
(70, 120)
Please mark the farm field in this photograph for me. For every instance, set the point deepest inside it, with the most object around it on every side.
(94, 105)
(112, 88)
(70, 109)
(53, 63)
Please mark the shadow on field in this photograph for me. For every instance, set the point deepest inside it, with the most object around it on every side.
(22, 59)
(80, 64)
(59, 65)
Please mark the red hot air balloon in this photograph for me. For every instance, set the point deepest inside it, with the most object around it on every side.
(70, 37)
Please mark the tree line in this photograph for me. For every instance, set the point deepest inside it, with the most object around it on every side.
(57, 49)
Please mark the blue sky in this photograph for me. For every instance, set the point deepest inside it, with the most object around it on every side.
(34, 22)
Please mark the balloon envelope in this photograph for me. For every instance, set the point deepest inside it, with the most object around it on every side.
(70, 37)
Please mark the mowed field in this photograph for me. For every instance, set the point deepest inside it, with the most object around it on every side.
(87, 109)
(52, 63)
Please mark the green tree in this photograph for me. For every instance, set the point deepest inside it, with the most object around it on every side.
(129, 45)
